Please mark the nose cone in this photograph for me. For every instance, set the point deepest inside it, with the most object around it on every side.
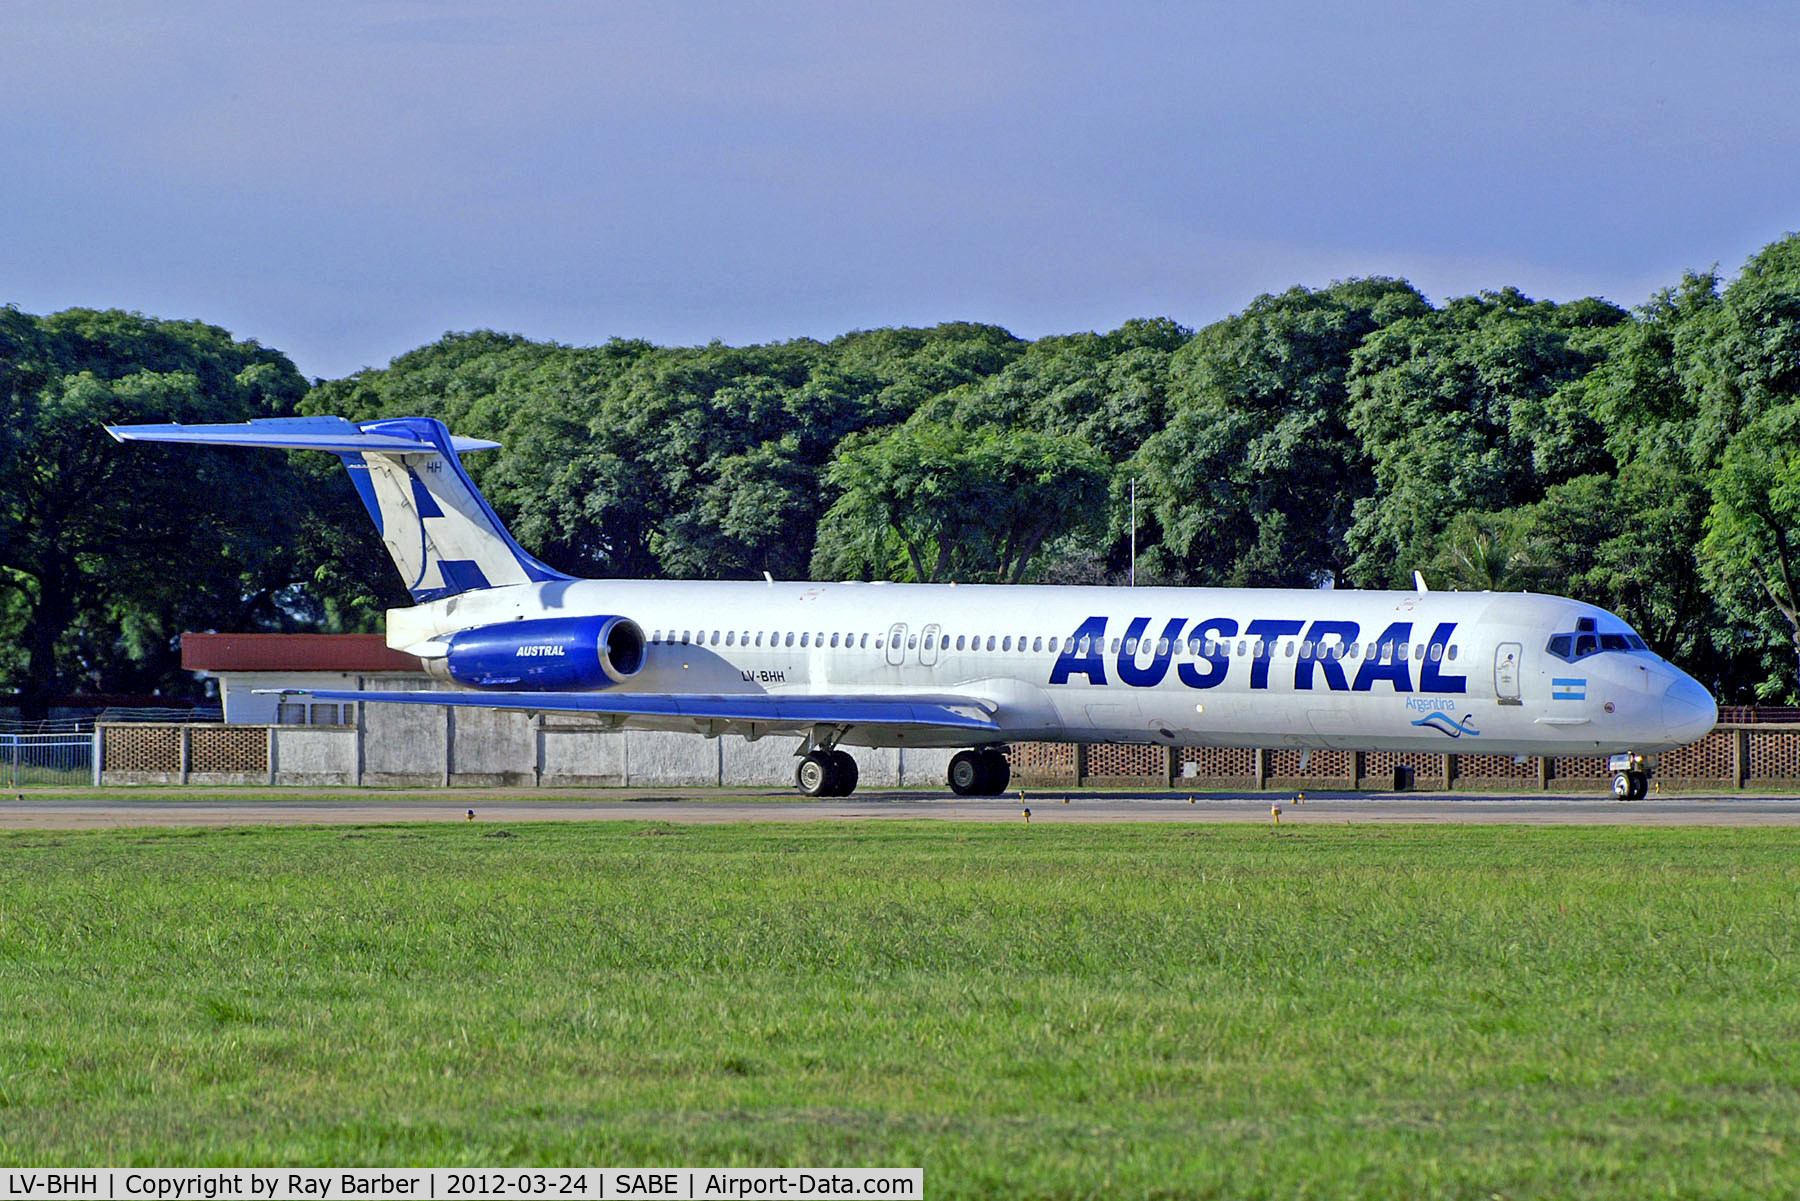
(1688, 711)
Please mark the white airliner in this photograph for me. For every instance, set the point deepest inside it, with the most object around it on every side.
(971, 666)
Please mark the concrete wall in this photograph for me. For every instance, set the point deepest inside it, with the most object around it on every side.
(325, 755)
(407, 746)
(402, 745)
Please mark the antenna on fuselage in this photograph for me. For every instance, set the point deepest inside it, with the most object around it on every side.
(1419, 584)
(1134, 532)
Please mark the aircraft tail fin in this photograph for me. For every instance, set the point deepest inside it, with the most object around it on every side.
(440, 530)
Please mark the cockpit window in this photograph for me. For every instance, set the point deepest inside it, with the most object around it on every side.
(1586, 641)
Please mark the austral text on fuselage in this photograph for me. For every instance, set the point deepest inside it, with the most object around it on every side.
(1333, 654)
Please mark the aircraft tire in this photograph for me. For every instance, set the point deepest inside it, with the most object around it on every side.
(997, 770)
(817, 775)
(966, 774)
(844, 772)
(1621, 786)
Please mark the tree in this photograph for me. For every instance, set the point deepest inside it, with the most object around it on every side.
(1753, 529)
(929, 502)
(1464, 409)
(1253, 479)
(109, 552)
(1488, 552)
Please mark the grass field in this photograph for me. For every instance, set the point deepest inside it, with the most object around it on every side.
(1077, 1011)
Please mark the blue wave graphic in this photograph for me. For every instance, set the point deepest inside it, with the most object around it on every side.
(1446, 724)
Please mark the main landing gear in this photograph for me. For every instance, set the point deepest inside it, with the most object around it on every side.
(826, 773)
(983, 772)
(1631, 776)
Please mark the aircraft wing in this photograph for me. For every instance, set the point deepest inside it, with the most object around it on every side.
(741, 712)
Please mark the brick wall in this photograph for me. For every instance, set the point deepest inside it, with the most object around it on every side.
(1762, 753)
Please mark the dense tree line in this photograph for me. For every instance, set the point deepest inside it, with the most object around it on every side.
(1646, 460)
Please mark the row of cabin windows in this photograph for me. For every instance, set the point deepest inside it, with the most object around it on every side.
(1209, 648)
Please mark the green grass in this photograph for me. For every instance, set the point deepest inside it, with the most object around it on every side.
(1048, 1011)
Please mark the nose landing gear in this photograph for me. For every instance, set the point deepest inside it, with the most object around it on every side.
(1631, 776)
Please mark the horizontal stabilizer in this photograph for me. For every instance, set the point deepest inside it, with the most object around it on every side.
(443, 536)
(334, 434)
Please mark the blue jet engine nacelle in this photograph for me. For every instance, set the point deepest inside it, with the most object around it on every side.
(549, 654)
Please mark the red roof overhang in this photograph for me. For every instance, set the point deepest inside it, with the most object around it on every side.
(292, 652)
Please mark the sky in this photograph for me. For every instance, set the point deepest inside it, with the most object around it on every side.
(347, 181)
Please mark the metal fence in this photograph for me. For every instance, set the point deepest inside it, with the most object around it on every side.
(66, 758)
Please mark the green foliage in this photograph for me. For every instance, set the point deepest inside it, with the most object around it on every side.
(1461, 410)
(108, 553)
(1752, 547)
(1253, 479)
(930, 502)
(1350, 434)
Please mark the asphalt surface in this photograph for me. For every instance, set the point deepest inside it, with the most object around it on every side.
(203, 807)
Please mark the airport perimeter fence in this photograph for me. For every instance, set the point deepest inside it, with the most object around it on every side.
(65, 757)
(399, 747)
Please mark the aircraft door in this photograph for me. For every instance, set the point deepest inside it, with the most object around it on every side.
(1506, 673)
(928, 645)
(896, 647)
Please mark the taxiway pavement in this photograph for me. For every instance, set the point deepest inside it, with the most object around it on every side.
(195, 808)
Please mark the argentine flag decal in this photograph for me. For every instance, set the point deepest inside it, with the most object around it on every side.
(1568, 690)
